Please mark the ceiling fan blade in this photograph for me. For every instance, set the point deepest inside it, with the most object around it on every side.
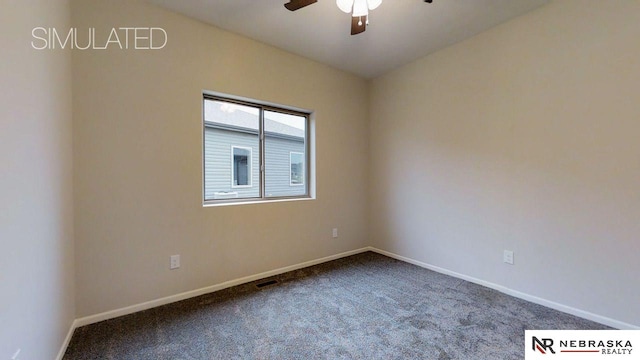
(356, 28)
(294, 5)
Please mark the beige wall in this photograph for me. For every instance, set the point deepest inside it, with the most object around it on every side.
(36, 215)
(138, 156)
(523, 138)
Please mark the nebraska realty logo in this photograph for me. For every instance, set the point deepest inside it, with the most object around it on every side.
(581, 344)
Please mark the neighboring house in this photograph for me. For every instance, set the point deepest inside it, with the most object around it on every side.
(231, 163)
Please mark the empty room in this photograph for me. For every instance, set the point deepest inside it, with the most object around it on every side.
(278, 179)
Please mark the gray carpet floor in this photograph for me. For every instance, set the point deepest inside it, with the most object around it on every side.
(366, 306)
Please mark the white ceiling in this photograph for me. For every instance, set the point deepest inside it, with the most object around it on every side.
(400, 31)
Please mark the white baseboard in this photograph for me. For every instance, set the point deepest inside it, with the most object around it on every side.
(206, 290)
(67, 339)
(531, 298)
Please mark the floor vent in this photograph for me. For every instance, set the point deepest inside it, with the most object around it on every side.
(266, 283)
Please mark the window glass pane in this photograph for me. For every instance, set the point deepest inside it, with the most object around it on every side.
(285, 154)
(296, 162)
(231, 150)
(240, 168)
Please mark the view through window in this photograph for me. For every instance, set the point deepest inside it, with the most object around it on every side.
(253, 151)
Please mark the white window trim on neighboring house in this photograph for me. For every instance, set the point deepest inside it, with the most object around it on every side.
(249, 166)
(290, 163)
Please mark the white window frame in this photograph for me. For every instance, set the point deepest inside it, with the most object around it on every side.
(249, 165)
(303, 169)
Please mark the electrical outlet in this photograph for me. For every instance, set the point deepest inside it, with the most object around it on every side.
(175, 262)
(16, 354)
(507, 257)
(335, 232)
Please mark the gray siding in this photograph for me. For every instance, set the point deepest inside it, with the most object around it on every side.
(218, 163)
(277, 170)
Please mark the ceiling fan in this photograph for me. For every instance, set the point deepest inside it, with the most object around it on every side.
(359, 10)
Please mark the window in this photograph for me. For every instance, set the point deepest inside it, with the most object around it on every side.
(254, 151)
(240, 166)
(296, 164)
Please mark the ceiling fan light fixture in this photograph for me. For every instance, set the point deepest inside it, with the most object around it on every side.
(345, 5)
(357, 9)
(360, 8)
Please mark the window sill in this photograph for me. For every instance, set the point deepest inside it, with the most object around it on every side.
(251, 202)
